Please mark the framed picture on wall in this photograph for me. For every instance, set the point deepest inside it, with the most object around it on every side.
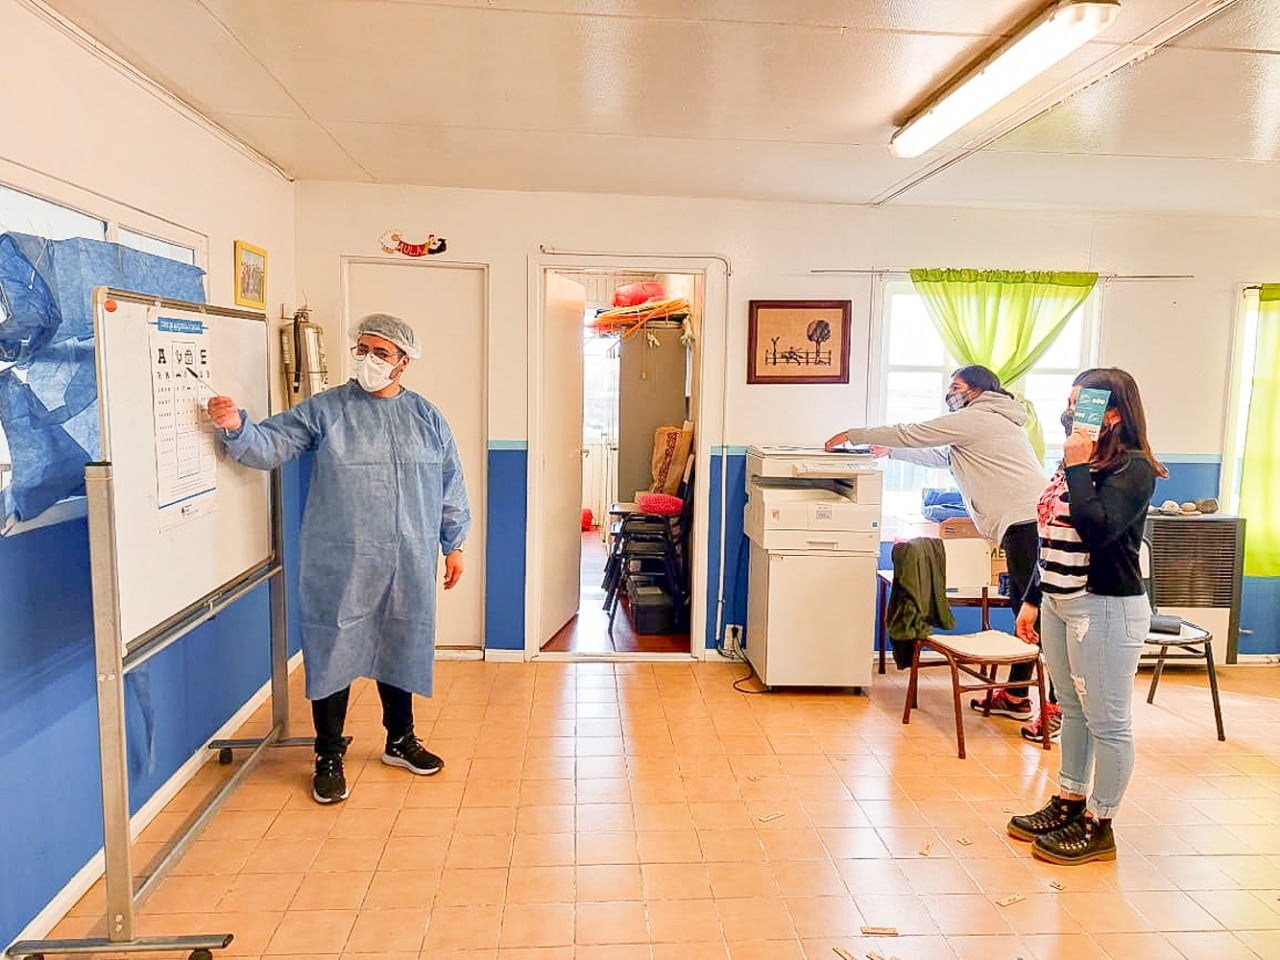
(798, 341)
(251, 276)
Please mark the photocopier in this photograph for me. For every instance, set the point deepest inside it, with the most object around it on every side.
(813, 519)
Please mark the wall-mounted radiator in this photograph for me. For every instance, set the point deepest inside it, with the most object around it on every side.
(1198, 564)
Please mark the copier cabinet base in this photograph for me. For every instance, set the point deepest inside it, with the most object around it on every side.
(811, 618)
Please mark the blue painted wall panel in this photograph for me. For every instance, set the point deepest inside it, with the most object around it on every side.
(736, 546)
(1259, 614)
(507, 523)
(48, 707)
(1188, 480)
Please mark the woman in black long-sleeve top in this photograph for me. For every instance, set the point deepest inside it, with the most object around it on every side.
(1094, 617)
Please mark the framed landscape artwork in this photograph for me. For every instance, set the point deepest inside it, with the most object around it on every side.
(798, 341)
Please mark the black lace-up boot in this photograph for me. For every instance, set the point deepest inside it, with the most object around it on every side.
(1082, 840)
(1054, 815)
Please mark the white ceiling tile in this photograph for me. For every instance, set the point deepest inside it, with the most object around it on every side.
(1247, 25)
(302, 148)
(755, 98)
(1154, 184)
(407, 63)
(177, 44)
(1183, 103)
(936, 16)
(606, 164)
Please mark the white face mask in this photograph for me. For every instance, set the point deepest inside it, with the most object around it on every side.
(373, 374)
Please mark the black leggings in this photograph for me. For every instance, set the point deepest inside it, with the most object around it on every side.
(330, 715)
(1021, 544)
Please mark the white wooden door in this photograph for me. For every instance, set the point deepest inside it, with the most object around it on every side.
(560, 518)
(445, 305)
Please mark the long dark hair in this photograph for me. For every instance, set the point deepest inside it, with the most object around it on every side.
(981, 379)
(1131, 432)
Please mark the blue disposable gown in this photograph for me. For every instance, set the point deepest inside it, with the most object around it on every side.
(386, 498)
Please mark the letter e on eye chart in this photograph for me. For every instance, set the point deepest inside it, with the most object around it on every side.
(186, 456)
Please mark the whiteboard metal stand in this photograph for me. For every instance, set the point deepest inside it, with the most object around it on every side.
(157, 626)
(112, 664)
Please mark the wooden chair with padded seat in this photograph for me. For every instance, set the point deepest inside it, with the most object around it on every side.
(972, 658)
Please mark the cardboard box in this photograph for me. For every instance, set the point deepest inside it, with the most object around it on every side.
(957, 528)
(999, 564)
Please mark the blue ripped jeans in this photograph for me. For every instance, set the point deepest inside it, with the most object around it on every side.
(1091, 644)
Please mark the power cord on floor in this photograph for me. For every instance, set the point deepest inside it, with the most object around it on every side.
(737, 684)
(736, 653)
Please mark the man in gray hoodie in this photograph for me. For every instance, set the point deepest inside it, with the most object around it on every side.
(982, 442)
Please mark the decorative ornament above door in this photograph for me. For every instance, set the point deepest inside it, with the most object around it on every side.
(391, 242)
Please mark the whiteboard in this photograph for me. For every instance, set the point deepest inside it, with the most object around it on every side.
(173, 551)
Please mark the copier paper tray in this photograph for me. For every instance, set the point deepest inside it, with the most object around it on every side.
(811, 518)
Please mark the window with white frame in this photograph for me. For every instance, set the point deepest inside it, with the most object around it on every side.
(22, 212)
(916, 369)
(1243, 355)
(157, 245)
(25, 211)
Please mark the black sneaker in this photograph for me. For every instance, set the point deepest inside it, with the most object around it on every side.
(1054, 815)
(329, 784)
(408, 752)
(1080, 841)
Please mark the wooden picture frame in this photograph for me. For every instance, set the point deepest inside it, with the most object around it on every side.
(798, 341)
(251, 276)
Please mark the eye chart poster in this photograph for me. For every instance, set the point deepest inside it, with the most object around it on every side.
(186, 460)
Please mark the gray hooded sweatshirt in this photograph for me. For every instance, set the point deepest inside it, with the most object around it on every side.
(987, 451)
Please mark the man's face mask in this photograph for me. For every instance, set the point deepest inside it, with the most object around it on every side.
(373, 374)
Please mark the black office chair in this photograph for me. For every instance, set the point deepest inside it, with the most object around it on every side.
(1191, 641)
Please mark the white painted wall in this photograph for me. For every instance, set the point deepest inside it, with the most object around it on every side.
(85, 132)
(1168, 333)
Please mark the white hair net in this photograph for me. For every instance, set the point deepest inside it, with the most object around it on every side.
(390, 328)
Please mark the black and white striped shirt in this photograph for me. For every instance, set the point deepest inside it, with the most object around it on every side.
(1064, 558)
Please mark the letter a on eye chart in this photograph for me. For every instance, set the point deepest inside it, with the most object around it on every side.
(186, 458)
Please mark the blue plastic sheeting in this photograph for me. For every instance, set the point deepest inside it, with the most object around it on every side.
(48, 382)
(938, 505)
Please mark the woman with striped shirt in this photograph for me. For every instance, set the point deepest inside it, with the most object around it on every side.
(1094, 617)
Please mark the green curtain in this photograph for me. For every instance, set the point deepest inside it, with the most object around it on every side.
(1004, 320)
(1260, 469)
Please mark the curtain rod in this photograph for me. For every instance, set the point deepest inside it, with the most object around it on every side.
(884, 271)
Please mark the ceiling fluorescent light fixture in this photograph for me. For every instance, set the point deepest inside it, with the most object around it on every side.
(1065, 27)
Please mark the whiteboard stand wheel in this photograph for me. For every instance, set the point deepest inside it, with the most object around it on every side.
(201, 954)
(224, 758)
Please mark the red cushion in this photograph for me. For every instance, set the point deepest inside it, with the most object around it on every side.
(633, 294)
(663, 504)
(587, 518)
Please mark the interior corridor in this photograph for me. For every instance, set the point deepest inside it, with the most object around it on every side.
(589, 632)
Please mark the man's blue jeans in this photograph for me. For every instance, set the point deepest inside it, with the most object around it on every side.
(1092, 644)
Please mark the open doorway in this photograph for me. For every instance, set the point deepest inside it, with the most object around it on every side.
(639, 343)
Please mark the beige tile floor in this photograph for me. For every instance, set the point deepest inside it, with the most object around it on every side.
(638, 811)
